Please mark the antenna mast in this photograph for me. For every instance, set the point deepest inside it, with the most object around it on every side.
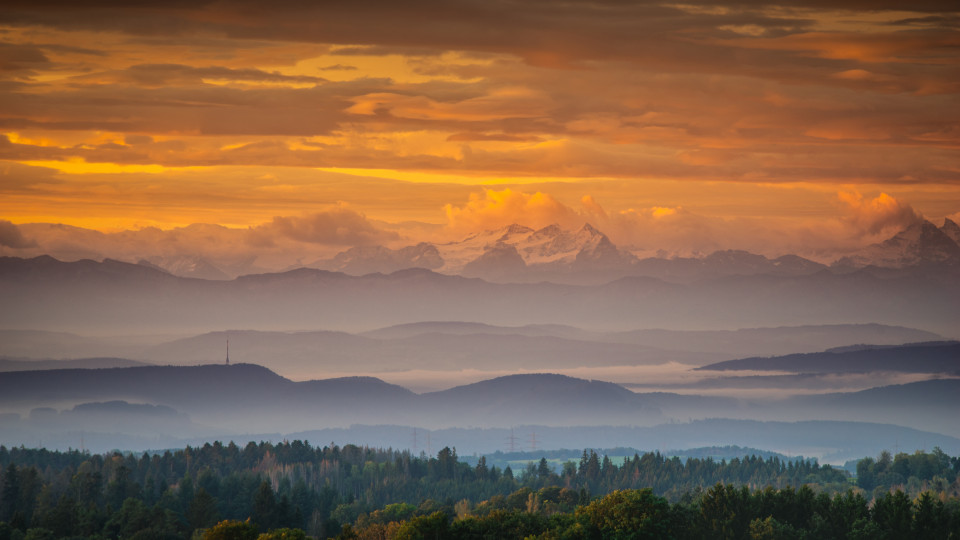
(228, 351)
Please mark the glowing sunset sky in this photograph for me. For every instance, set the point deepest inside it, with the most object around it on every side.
(315, 126)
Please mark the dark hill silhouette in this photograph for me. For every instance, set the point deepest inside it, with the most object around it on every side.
(544, 396)
(935, 357)
(245, 395)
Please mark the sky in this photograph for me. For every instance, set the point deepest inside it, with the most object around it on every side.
(288, 130)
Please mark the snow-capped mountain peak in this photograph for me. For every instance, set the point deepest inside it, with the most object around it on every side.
(550, 246)
(920, 243)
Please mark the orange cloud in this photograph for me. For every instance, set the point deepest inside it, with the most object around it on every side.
(495, 209)
(872, 216)
(338, 226)
(10, 236)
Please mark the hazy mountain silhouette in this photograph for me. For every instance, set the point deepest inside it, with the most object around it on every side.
(42, 344)
(186, 266)
(249, 395)
(548, 398)
(305, 354)
(920, 244)
(13, 364)
(362, 260)
(930, 405)
(831, 441)
(247, 398)
(933, 357)
(462, 328)
(771, 341)
(118, 297)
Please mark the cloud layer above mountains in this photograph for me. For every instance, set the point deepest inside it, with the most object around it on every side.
(292, 241)
(668, 126)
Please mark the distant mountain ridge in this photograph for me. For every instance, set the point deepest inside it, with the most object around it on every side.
(920, 244)
(247, 398)
(246, 394)
(15, 364)
(111, 296)
(935, 357)
(832, 441)
(518, 253)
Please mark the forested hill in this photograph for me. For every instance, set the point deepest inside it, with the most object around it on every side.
(322, 490)
(933, 357)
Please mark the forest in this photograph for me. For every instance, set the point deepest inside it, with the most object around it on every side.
(292, 489)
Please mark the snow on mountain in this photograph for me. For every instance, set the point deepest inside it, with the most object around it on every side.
(918, 244)
(585, 255)
(186, 266)
(550, 248)
(361, 260)
(457, 255)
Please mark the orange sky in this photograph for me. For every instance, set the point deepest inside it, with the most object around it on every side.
(677, 126)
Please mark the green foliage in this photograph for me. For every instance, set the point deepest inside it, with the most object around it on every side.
(633, 514)
(231, 530)
(294, 489)
(913, 473)
(284, 534)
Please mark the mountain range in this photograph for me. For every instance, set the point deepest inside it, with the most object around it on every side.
(918, 245)
(154, 406)
(935, 357)
(248, 395)
(241, 396)
(516, 253)
(112, 297)
(520, 254)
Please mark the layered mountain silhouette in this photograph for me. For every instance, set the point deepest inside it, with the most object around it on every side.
(246, 396)
(934, 357)
(156, 405)
(112, 297)
(10, 364)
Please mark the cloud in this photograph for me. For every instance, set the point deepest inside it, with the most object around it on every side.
(19, 58)
(339, 226)
(281, 243)
(10, 236)
(157, 75)
(671, 230)
(495, 209)
(873, 216)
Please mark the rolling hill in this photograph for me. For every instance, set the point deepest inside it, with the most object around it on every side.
(930, 357)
